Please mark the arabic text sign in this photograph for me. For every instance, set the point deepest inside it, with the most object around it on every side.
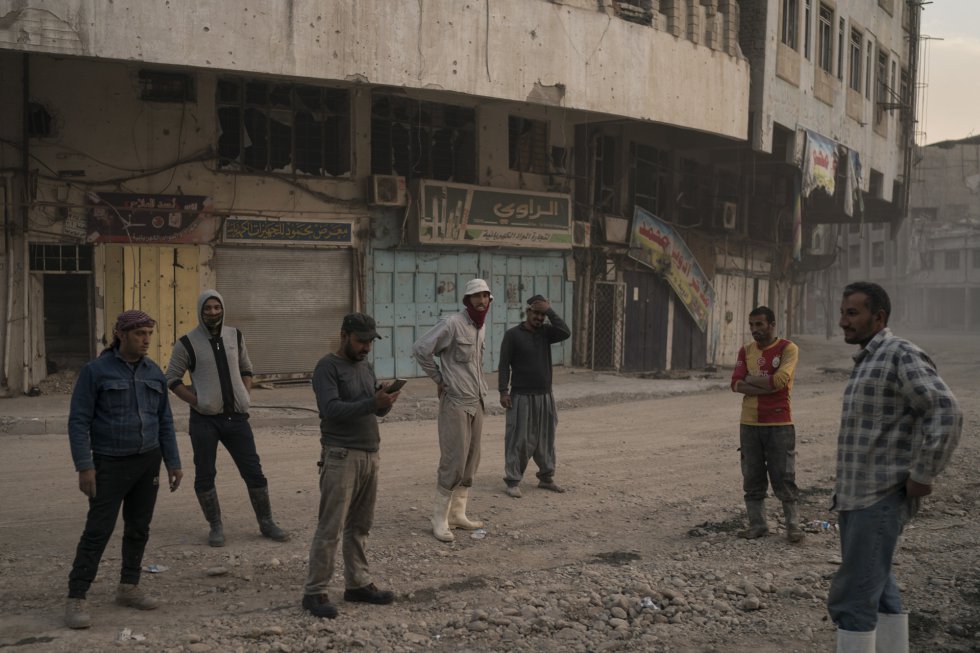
(462, 214)
(245, 230)
(657, 245)
(132, 218)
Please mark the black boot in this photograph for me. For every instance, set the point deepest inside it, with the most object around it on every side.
(263, 513)
(212, 512)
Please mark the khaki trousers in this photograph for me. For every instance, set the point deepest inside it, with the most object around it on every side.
(460, 428)
(348, 491)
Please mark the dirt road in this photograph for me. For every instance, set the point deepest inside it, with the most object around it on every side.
(638, 555)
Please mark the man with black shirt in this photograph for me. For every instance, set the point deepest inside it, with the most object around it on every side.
(350, 402)
(221, 377)
(524, 380)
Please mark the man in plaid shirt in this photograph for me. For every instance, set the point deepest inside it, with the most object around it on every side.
(900, 424)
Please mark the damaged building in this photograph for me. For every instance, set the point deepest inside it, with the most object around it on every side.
(637, 162)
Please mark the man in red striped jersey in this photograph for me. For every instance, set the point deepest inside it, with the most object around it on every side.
(767, 438)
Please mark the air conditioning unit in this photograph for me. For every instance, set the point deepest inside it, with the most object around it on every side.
(387, 190)
(729, 216)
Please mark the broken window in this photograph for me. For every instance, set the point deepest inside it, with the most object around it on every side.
(649, 178)
(273, 127)
(634, 11)
(422, 140)
(38, 120)
(528, 141)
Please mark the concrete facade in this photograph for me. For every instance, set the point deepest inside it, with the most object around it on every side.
(134, 99)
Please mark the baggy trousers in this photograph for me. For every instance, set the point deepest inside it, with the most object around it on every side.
(128, 481)
(460, 428)
(530, 433)
(348, 491)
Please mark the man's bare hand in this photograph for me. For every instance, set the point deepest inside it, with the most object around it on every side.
(384, 400)
(915, 489)
(86, 482)
(174, 476)
(506, 401)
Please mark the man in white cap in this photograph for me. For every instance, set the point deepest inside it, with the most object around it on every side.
(458, 342)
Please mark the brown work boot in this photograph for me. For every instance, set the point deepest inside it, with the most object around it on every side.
(76, 614)
(131, 596)
(319, 605)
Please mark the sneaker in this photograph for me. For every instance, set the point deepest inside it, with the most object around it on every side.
(513, 491)
(551, 485)
(131, 596)
(319, 605)
(76, 614)
(369, 594)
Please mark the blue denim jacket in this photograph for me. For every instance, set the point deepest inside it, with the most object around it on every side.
(117, 410)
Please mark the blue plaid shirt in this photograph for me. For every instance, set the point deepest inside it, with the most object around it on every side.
(899, 420)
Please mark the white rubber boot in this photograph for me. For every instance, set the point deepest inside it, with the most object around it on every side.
(893, 633)
(440, 516)
(457, 511)
(852, 641)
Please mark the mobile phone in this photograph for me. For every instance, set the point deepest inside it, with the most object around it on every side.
(395, 386)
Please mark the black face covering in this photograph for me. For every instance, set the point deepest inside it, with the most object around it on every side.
(213, 322)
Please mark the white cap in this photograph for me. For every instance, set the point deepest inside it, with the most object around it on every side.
(474, 286)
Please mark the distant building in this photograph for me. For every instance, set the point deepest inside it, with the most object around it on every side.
(939, 245)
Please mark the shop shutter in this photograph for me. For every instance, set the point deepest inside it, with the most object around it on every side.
(288, 303)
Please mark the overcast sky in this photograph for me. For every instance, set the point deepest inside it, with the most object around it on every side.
(951, 69)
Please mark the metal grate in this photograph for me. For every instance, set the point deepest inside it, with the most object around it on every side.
(609, 302)
(60, 258)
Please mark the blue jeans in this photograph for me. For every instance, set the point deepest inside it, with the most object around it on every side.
(132, 483)
(235, 433)
(864, 585)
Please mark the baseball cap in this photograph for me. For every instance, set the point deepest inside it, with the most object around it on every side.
(361, 325)
(474, 286)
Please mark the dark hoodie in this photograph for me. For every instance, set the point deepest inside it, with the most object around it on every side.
(219, 363)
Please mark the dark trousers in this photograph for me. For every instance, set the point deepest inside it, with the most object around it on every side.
(130, 481)
(768, 451)
(235, 433)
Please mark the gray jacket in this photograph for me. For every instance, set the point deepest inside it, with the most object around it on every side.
(203, 364)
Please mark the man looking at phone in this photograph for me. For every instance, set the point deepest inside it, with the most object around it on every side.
(350, 402)
(524, 380)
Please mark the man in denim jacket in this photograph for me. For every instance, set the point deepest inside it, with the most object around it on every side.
(119, 428)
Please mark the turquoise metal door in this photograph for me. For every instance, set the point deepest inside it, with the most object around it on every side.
(409, 291)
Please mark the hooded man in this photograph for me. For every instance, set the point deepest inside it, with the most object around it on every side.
(221, 378)
(458, 342)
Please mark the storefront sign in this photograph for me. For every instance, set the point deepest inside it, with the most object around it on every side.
(251, 230)
(657, 245)
(146, 219)
(458, 214)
